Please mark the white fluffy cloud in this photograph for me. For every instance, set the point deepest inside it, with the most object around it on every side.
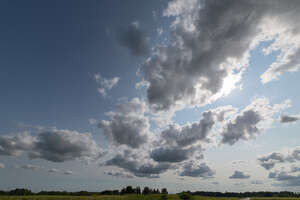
(105, 84)
(211, 42)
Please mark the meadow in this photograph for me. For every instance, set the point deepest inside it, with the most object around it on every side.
(130, 197)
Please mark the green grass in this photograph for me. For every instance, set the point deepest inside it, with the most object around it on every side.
(126, 197)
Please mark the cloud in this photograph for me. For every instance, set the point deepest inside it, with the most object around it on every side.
(239, 175)
(68, 172)
(171, 154)
(193, 169)
(105, 84)
(190, 133)
(53, 170)
(295, 169)
(236, 162)
(137, 166)
(251, 121)
(128, 125)
(118, 174)
(272, 159)
(289, 118)
(285, 179)
(210, 48)
(15, 145)
(64, 145)
(31, 167)
(257, 182)
(133, 38)
(53, 145)
(2, 166)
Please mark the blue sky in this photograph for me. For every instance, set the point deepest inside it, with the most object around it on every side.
(217, 108)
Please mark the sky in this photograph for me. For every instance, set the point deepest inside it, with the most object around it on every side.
(183, 94)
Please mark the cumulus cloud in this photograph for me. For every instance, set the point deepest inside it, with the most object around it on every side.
(251, 121)
(285, 179)
(53, 145)
(210, 48)
(128, 125)
(239, 175)
(2, 166)
(118, 174)
(68, 172)
(105, 84)
(31, 167)
(171, 154)
(53, 170)
(133, 38)
(15, 145)
(64, 145)
(194, 169)
(287, 156)
(137, 166)
(236, 162)
(289, 118)
(257, 182)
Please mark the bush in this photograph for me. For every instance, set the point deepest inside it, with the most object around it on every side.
(185, 196)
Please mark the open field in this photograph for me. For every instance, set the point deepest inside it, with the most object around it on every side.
(128, 197)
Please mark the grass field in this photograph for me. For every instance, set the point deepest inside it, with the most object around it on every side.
(127, 197)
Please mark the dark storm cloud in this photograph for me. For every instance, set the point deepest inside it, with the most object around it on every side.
(133, 38)
(53, 145)
(193, 169)
(129, 125)
(239, 175)
(289, 118)
(211, 41)
(270, 160)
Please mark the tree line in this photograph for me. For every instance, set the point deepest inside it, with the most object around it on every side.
(147, 190)
(127, 190)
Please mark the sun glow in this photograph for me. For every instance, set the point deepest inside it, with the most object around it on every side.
(229, 84)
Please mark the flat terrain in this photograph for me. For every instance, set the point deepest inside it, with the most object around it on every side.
(129, 197)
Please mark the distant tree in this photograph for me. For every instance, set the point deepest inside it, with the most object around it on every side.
(164, 191)
(138, 190)
(146, 190)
